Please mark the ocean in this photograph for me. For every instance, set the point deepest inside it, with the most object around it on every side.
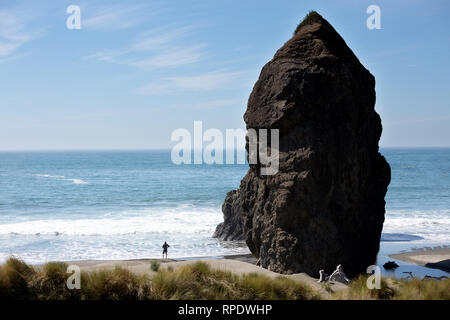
(80, 205)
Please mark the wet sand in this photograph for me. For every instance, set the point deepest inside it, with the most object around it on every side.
(436, 257)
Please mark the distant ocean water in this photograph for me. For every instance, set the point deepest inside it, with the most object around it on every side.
(125, 204)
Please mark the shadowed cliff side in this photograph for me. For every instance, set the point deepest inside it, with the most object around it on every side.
(325, 206)
(231, 227)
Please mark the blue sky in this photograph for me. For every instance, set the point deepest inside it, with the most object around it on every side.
(137, 70)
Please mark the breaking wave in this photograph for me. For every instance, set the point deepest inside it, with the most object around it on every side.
(149, 221)
(74, 181)
(406, 225)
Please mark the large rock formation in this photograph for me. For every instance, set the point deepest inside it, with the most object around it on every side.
(325, 205)
(231, 227)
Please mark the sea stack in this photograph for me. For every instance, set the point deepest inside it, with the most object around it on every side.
(325, 206)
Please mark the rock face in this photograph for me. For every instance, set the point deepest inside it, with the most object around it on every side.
(231, 227)
(325, 205)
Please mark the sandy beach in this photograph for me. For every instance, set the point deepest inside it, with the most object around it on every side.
(237, 264)
(436, 257)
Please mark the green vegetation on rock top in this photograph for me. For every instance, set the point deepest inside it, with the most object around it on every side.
(310, 18)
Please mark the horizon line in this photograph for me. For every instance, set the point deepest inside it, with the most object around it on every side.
(169, 149)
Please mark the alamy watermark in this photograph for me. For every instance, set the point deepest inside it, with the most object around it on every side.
(374, 20)
(74, 20)
(189, 148)
(373, 281)
(74, 280)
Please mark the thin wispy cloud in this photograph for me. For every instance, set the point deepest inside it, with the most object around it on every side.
(13, 33)
(169, 58)
(108, 55)
(162, 37)
(203, 82)
(211, 104)
(208, 81)
(153, 49)
(89, 115)
(112, 17)
(153, 89)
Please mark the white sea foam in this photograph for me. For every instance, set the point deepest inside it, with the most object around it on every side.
(74, 181)
(157, 221)
(188, 229)
(78, 181)
(49, 176)
(433, 225)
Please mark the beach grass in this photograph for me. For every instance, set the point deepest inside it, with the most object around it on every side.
(196, 281)
(199, 281)
(117, 284)
(424, 290)
(15, 277)
(19, 281)
(396, 289)
(358, 290)
(154, 266)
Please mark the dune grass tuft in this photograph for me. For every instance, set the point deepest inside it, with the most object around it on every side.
(423, 290)
(117, 284)
(199, 281)
(397, 289)
(50, 284)
(16, 275)
(358, 290)
(154, 266)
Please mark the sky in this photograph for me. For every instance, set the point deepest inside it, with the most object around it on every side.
(138, 70)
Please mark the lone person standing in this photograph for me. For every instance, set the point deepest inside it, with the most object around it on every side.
(165, 246)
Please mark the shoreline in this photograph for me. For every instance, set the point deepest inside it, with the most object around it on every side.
(426, 257)
(247, 258)
(430, 257)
